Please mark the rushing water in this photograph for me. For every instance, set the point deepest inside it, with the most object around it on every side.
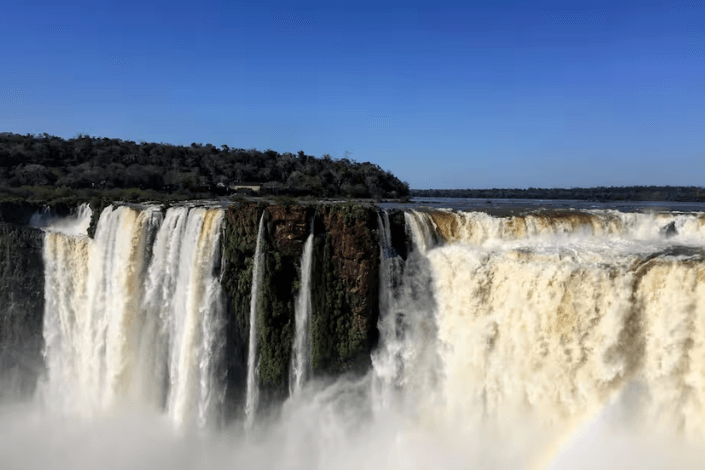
(405, 362)
(131, 316)
(301, 350)
(252, 383)
(546, 339)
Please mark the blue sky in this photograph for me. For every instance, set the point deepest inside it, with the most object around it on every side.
(442, 94)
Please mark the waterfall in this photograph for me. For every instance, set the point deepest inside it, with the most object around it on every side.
(481, 229)
(301, 349)
(212, 309)
(387, 359)
(535, 340)
(404, 360)
(92, 321)
(252, 379)
(162, 299)
(195, 319)
(422, 230)
(552, 317)
(134, 316)
(543, 318)
(76, 223)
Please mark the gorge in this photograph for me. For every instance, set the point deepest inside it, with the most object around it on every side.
(349, 335)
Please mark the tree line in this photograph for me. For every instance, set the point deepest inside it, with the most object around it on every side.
(599, 194)
(102, 163)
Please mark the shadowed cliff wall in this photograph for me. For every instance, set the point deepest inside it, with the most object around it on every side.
(21, 310)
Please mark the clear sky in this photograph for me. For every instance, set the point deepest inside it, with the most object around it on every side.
(442, 94)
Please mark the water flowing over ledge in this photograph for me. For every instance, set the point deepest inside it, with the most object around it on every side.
(513, 341)
(301, 353)
(132, 315)
(252, 366)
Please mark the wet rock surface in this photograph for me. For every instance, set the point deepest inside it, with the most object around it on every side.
(21, 309)
(344, 288)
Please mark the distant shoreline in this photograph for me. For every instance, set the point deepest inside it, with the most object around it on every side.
(599, 194)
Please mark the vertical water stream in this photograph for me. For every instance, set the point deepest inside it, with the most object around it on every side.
(252, 379)
(301, 350)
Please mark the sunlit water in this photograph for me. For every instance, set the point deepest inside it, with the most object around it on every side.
(551, 340)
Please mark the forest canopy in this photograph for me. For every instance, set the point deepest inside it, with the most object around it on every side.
(101, 163)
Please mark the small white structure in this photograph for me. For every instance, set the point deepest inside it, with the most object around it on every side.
(246, 188)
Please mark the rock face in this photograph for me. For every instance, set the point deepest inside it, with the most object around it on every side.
(344, 289)
(21, 310)
(669, 230)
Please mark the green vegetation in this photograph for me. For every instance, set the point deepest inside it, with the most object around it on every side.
(276, 319)
(275, 307)
(336, 340)
(344, 289)
(285, 201)
(34, 167)
(350, 211)
(344, 301)
(239, 240)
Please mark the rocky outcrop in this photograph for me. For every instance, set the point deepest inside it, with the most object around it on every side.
(344, 289)
(21, 309)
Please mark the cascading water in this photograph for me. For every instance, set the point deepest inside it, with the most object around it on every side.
(552, 339)
(422, 230)
(161, 299)
(195, 321)
(212, 310)
(387, 361)
(76, 224)
(90, 323)
(539, 322)
(301, 349)
(252, 383)
(405, 361)
(548, 318)
(131, 316)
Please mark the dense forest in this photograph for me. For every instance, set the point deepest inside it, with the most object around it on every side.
(31, 163)
(601, 194)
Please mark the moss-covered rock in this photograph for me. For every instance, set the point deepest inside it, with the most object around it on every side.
(345, 293)
(344, 289)
(239, 241)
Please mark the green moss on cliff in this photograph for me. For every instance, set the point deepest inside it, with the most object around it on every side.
(276, 320)
(344, 301)
(335, 339)
(239, 241)
(351, 211)
(344, 289)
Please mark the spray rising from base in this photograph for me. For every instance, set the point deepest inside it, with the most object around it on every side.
(554, 342)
